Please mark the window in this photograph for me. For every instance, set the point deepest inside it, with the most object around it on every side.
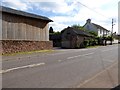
(100, 31)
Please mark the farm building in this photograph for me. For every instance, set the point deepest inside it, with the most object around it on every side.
(73, 38)
(22, 31)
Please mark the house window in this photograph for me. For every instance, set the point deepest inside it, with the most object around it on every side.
(106, 32)
(100, 31)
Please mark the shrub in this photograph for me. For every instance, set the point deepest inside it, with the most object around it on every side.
(109, 38)
(86, 43)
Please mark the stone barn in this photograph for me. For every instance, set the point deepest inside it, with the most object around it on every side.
(22, 31)
(73, 38)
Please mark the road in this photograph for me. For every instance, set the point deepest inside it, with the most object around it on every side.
(63, 68)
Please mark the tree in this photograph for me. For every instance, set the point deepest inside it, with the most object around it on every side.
(82, 28)
(93, 33)
(78, 27)
(51, 30)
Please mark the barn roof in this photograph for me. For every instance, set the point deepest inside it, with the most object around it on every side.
(22, 13)
(77, 31)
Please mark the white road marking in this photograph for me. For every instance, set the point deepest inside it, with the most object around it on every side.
(80, 55)
(22, 67)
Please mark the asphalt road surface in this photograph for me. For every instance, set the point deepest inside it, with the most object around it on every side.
(63, 68)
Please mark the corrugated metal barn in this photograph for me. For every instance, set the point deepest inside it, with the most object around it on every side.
(20, 29)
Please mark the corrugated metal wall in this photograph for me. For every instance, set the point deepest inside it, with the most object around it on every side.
(16, 27)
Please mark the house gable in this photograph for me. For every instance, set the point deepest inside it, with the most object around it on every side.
(89, 26)
(101, 31)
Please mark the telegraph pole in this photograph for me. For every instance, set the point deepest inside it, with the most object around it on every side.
(112, 31)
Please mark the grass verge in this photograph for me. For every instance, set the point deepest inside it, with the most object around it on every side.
(30, 52)
(93, 46)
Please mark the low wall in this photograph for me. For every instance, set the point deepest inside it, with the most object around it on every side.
(15, 46)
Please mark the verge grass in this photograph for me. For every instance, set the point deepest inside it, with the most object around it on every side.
(93, 46)
(28, 52)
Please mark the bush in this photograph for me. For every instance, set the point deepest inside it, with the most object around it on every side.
(82, 45)
(86, 43)
(109, 38)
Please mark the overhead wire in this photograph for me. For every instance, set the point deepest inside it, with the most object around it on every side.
(94, 10)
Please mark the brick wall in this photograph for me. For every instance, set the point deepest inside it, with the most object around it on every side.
(14, 46)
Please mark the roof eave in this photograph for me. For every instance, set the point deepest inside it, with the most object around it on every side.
(25, 14)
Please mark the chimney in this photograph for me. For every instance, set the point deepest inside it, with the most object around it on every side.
(88, 20)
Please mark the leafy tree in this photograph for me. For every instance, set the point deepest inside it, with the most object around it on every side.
(51, 30)
(77, 26)
(81, 28)
(110, 38)
(93, 33)
(55, 33)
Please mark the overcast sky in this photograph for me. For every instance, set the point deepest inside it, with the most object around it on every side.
(65, 13)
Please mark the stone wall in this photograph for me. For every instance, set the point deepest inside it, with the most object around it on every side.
(15, 46)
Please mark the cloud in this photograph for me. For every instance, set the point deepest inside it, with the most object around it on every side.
(54, 7)
(67, 12)
(100, 12)
(59, 7)
(57, 26)
(16, 4)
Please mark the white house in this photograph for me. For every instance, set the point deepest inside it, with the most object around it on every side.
(101, 31)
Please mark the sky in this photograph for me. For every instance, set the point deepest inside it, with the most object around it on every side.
(65, 13)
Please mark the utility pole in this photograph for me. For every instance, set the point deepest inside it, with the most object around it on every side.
(112, 31)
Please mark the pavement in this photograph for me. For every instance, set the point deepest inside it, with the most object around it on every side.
(105, 79)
